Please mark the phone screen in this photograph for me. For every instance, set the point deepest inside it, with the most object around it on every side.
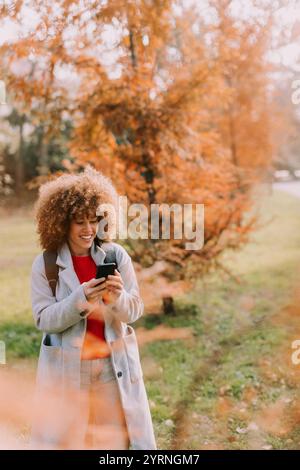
(104, 270)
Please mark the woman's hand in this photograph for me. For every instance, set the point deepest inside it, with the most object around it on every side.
(114, 287)
(94, 289)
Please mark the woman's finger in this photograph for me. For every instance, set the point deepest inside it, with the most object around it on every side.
(99, 291)
(116, 274)
(94, 282)
(113, 282)
(99, 288)
(115, 289)
(114, 286)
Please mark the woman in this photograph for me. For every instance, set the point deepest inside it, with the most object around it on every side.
(90, 389)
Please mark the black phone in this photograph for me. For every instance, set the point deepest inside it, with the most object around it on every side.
(104, 270)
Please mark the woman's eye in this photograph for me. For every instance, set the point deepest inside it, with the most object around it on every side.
(80, 222)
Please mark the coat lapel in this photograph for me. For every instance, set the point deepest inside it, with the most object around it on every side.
(64, 260)
(98, 254)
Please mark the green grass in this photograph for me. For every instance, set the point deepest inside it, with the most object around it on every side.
(18, 248)
(268, 269)
(230, 321)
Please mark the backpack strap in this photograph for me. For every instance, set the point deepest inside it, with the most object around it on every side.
(51, 268)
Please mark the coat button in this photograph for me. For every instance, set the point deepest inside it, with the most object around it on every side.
(119, 374)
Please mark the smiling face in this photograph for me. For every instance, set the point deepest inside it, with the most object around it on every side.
(83, 230)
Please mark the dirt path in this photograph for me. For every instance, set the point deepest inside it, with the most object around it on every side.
(278, 421)
(291, 187)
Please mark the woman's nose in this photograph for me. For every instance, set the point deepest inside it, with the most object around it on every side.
(88, 226)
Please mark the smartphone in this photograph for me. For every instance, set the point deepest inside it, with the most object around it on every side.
(104, 270)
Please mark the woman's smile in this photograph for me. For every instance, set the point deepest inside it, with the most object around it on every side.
(86, 237)
(80, 242)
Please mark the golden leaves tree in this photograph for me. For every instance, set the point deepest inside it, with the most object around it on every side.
(170, 102)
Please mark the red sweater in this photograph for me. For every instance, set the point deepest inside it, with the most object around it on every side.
(94, 345)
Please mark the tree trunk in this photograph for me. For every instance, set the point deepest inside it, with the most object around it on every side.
(43, 165)
(19, 160)
(168, 306)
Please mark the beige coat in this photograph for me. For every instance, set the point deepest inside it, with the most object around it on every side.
(63, 322)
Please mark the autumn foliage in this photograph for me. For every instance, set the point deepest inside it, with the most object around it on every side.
(171, 102)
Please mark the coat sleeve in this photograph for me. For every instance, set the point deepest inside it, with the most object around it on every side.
(49, 315)
(129, 306)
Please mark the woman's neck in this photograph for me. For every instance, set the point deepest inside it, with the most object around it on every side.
(78, 252)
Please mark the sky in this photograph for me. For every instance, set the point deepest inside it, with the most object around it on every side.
(288, 17)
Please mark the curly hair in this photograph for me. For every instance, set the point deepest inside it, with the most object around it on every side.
(72, 196)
